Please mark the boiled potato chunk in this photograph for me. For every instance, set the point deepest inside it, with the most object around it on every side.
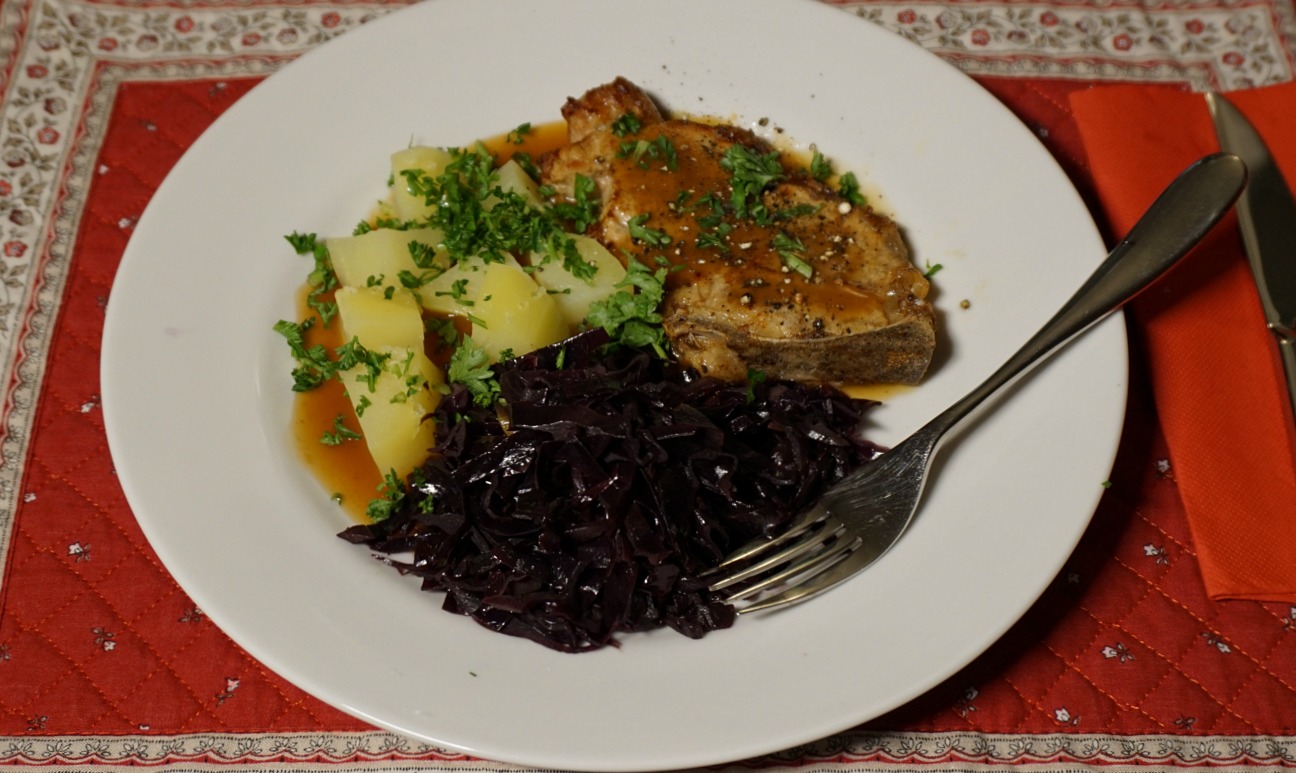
(512, 312)
(380, 318)
(426, 160)
(457, 290)
(513, 179)
(378, 257)
(574, 294)
(393, 401)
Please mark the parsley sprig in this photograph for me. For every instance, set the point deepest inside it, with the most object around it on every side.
(792, 251)
(340, 432)
(470, 365)
(321, 279)
(634, 319)
(750, 174)
(480, 220)
(583, 210)
(641, 233)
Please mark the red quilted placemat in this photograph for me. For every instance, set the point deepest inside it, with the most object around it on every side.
(95, 638)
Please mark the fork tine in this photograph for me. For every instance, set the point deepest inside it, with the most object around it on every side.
(757, 547)
(812, 540)
(804, 570)
(828, 577)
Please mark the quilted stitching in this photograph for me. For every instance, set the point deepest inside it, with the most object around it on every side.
(96, 638)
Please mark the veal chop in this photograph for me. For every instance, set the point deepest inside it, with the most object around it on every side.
(785, 277)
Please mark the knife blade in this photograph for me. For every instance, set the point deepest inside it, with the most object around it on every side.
(1267, 218)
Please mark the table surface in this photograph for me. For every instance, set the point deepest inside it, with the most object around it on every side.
(103, 659)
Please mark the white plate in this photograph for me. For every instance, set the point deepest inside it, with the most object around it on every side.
(196, 384)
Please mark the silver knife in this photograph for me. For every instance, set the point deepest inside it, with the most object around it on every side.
(1267, 217)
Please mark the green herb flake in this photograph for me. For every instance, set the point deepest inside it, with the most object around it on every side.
(391, 494)
(645, 235)
(313, 364)
(626, 125)
(754, 379)
(716, 238)
(574, 264)
(528, 164)
(644, 152)
(340, 433)
(792, 251)
(583, 210)
(322, 280)
(820, 167)
(849, 189)
(751, 173)
(518, 135)
(470, 365)
(634, 319)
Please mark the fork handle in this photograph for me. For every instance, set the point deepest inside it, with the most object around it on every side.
(1175, 222)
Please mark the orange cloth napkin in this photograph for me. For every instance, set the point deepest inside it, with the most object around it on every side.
(1215, 374)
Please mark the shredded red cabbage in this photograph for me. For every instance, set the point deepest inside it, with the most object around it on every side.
(619, 478)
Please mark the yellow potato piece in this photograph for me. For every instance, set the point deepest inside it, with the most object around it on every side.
(377, 317)
(574, 294)
(513, 179)
(393, 405)
(457, 291)
(512, 312)
(378, 257)
(426, 160)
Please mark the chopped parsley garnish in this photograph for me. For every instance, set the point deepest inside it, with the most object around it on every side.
(583, 210)
(516, 136)
(754, 379)
(340, 433)
(572, 262)
(322, 279)
(444, 329)
(849, 189)
(313, 364)
(391, 493)
(458, 292)
(931, 270)
(412, 281)
(750, 174)
(528, 164)
(650, 236)
(820, 167)
(626, 125)
(470, 365)
(644, 151)
(301, 243)
(373, 363)
(792, 251)
(715, 238)
(716, 210)
(423, 255)
(797, 210)
(480, 221)
(634, 319)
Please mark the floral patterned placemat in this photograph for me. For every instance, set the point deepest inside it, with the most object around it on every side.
(103, 660)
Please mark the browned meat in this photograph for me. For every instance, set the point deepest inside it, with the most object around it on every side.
(812, 289)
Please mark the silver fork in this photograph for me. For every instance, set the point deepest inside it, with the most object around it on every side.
(864, 514)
